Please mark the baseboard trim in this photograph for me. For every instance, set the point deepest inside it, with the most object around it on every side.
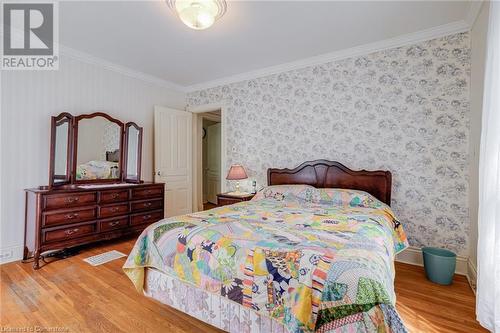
(413, 256)
(11, 253)
(472, 275)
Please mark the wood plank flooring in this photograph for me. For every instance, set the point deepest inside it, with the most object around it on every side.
(71, 296)
(208, 205)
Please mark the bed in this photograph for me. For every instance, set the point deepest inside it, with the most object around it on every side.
(312, 252)
(97, 170)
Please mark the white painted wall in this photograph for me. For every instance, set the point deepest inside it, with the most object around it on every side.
(478, 59)
(29, 98)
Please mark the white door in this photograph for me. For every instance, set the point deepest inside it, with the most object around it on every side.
(213, 162)
(173, 158)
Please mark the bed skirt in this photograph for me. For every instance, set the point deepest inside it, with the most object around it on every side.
(210, 308)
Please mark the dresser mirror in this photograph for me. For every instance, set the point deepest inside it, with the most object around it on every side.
(133, 150)
(94, 148)
(60, 149)
(98, 148)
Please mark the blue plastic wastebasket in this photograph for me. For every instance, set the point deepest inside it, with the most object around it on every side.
(439, 264)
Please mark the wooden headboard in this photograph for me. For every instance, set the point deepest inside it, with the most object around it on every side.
(330, 174)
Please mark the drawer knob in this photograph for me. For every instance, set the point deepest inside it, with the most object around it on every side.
(145, 217)
(72, 199)
(147, 204)
(115, 195)
(72, 216)
(71, 231)
(112, 224)
(115, 209)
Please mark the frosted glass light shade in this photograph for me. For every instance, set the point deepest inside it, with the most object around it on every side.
(198, 14)
(236, 172)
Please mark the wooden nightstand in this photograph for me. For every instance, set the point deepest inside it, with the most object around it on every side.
(229, 198)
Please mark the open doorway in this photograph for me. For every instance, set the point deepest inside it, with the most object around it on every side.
(211, 146)
(208, 158)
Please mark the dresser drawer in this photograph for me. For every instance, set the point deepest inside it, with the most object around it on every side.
(66, 200)
(113, 210)
(149, 217)
(113, 196)
(112, 224)
(69, 216)
(148, 192)
(138, 206)
(69, 232)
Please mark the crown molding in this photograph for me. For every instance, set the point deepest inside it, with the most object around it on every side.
(408, 39)
(419, 36)
(473, 12)
(90, 59)
(93, 60)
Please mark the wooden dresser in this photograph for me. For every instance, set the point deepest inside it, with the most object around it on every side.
(71, 216)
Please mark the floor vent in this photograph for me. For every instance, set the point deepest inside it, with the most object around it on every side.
(104, 257)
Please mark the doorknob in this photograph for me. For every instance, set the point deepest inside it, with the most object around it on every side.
(158, 173)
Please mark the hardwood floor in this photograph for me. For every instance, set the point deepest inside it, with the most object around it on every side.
(429, 307)
(72, 296)
(208, 205)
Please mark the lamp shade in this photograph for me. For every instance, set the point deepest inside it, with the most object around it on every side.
(236, 172)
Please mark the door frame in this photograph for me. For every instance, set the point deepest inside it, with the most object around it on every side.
(197, 151)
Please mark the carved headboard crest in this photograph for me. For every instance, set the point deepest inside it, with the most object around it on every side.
(330, 174)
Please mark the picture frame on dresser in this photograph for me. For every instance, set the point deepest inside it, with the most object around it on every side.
(95, 191)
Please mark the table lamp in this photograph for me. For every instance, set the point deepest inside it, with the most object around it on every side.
(236, 172)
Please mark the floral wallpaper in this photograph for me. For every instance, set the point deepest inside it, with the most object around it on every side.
(404, 109)
(110, 138)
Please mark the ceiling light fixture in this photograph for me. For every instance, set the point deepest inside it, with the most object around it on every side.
(198, 14)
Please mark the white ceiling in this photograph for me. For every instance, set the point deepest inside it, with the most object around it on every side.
(147, 37)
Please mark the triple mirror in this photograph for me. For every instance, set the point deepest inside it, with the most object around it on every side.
(94, 148)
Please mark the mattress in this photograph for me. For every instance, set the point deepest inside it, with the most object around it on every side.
(312, 260)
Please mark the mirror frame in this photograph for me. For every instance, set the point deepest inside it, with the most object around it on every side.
(69, 152)
(70, 179)
(75, 148)
(139, 153)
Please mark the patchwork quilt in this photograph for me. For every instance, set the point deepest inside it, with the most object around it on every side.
(97, 170)
(317, 260)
